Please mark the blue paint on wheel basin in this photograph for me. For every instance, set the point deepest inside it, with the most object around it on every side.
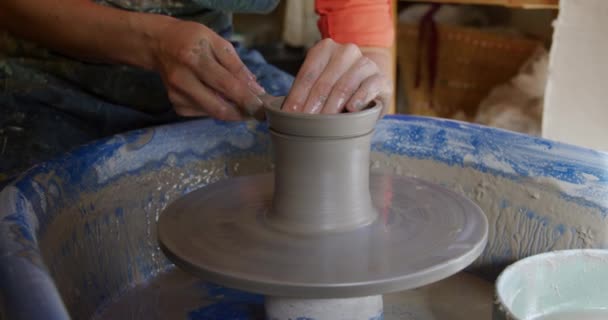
(78, 234)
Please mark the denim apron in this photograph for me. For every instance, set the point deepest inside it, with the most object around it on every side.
(51, 103)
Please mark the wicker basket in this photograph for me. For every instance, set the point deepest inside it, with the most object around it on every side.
(469, 63)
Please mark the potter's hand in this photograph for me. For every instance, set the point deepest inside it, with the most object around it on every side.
(203, 73)
(337, 77)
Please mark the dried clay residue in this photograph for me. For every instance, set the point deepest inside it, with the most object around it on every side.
(106, 242)
(526, 217)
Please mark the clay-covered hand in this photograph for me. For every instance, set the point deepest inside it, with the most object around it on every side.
(203, 73)
(337, 77)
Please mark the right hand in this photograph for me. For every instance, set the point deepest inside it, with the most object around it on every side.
(203, 73)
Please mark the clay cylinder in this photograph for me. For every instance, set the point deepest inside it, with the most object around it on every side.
(321, 171)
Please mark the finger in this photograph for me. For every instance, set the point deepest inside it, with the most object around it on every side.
(314, 64)
(232, 88)
(190, 112)
(339, 63)
(184, 106)
(227, 56)
(348, 84)
(370, 89)
(214, 75)
(205, 98)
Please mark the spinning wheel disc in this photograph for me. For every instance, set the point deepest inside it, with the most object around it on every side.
(423, 233)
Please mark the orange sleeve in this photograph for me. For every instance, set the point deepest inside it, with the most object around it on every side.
(362, 22)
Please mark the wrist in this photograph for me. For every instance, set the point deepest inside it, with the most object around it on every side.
(147, 29)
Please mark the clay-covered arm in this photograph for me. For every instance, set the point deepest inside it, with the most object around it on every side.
(202, 72)
(83, 29)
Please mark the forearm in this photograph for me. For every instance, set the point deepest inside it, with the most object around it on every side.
(83, 29)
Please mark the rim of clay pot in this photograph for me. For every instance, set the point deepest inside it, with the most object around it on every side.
(322, 125)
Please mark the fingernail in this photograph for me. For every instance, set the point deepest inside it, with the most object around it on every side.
(256, 88)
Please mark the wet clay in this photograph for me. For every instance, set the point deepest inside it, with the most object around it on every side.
(321, 184)
(322, 171)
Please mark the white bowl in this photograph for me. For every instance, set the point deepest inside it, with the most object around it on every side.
(569, 284)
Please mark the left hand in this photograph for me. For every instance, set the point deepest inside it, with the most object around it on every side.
(337, 77)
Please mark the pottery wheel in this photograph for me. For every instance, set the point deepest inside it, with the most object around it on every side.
(321, 226)
(423, 233)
